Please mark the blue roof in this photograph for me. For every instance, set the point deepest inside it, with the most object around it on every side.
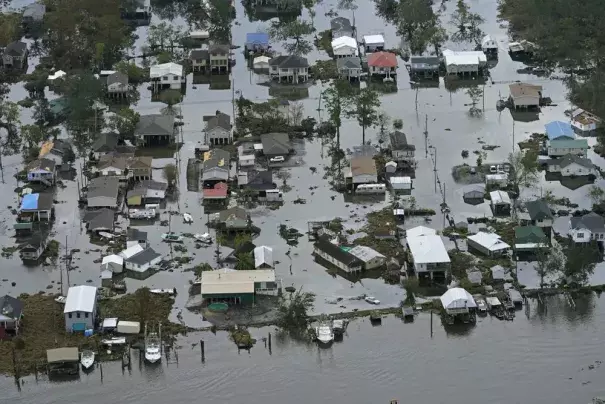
(30, 202)
(257, 38)
(557, 129)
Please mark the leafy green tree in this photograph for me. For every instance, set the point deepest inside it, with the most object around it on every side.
(383, 122)
(293, 35)
(549, 262)
(387, 10)
(596, 194)
(523, 170)
(136, 74)
(220, 17)
(245, 262)
(293, 312)
(171, 174)
(124, 122)
(337, 99)
(475, 93)
(418, 24)
(580, 264)
(10, 27)
(467, 24)
(10, 119)
(364, 107)
(398, 124)
(32, 135)
(170, 98)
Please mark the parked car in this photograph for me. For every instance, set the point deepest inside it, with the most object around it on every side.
(277, 159)
(372, 300)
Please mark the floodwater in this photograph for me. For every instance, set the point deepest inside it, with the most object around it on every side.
(500, 362)
(540, 358)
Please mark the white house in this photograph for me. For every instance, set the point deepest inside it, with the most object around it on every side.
(373, 43)
(489, 45)
(584, 121)
(466, 62)
(457, 301)
(167, 75)
(80, 308)
(420, 231)
(261, 63)
(564, 146)
(371, 258)
(41, 170)
(489, 244)
(586, 228)
(131, 251)
(429, 256)
(113, 263)
(344, 46)
(143, 260)
(401, 183)
(336, 256)
(571, 166)
(263, 257)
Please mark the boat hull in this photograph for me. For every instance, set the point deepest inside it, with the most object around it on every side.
(153, 358)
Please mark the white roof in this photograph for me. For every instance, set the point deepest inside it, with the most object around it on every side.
(400, 180)
(457, 298)
(263, 255)
(247, 157)
(106, 72)
(202, 34)
(364, 253)
(373, 39)
(496, 177)
(261, 60)
(491, 241)
(131, 251)
(80, 298)
(492, 300)
(420, 231)
(56, 75)
(229, 276)
(344, 41)
(428, 249)
(488, 42)
(113, 259)
(391, 163)
(110, 322)
(164, 69)
(464, 57)
(226, 288)
(499, 197)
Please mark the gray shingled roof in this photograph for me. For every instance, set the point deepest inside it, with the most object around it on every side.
(221, 120)
(144, 257)
(155, 125)
(136, 234)
(348, 63)
(340, 23)
(117, 77)
(11, 307)
(218, 49)
(199, 54)
(290, 61)
(275, 144)
(100, 219)
(399, 141)
(16, 48)
(590, 221)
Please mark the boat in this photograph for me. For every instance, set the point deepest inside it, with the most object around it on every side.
(172, 237)
(187, 218)
(60, 299)
(407, 313)
(142, 214)
(324, 333)
(339, 327)
(152, 348)
(87, 359)
(114, 341)
(375, 318)
(481, 306)
(169, 292)
(203, 238)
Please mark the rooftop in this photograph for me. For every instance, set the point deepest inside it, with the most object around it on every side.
(155, 125)
(420, 231)
(518, 90)
(373, 39)
(490, 241)
(57, 355)
(324, 244)
(590, 221)
(219, 191)
(382, 59)
(263, 255)
(569, 159)
(287, 62)
(557, 129)
(538, 210)
(364, 253)
(134, 234)
(101, 219)
(163, 69)
(80, 298)
(144, 257)
(428, 249)
(363, 166)
(500, 197)
(41, 164)
(276, 143)
(10, 308)
(564, 143)
(35, 202)
(399, 141)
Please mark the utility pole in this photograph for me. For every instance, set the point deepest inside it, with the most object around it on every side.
(513, 136)
(67, 263)
(435, 167)
(484, 98)
(444, 206)
(426, 135)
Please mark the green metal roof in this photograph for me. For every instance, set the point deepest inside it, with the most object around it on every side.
(345, 249)
(569, 144)
(23, 226)
(529, 234)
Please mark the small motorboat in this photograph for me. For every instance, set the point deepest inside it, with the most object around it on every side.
(169, 292)
(172, 237)
(152, 348)
(203, 238)
(187, 218)
(372, 300)
(324, 333)
(60, 299)
(339, 327)
(481, 306)
(87, 359)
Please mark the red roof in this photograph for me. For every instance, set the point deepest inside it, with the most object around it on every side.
(382, 59)
(218, 192)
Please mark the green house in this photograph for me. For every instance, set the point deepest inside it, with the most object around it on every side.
(528, 238)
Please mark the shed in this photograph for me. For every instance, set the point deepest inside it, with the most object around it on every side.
(261, 63)
(457, 300)
(110, 324)
(128, 327)
(263, 257)
(401, 183)
(373, 43)
(489, 244)
(62, 355)
(501, 202)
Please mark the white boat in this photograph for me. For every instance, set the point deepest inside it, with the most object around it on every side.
(324, 333)
(153, 353)
(142, 213)
(172, 237)
(203, 238)
(87, 359)
(339, 327)
(187, 218)
(60, 299)
(114, 341)
(372, 300)
(481, 305)
(169, 292)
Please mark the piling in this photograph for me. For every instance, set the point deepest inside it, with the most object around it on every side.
(203, 350)
(431, 323)
(101, 369)
(270, 344)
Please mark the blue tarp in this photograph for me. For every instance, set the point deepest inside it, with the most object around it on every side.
(30, 202)
(558, 129)
(257, 38)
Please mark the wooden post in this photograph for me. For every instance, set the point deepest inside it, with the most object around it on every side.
(270, 344)
(431, 323)
(203, 350)
(101, 368)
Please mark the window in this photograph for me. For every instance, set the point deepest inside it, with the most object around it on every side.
(78, 314)
(86, 315)
(69, 315)
(580, 235)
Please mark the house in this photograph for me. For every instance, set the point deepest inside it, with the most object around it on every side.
(362, 170)
(218, 129)
(104, 143)
(32, 250)
(256, 180)
(424, 67)
(420, 231)
(489, 244)
(263, 258)
(257, 42)
(167, 76)
(36, 207)
(585, 228)
(100, 220)
(489, 46)
(238, 287)
(429, 256)
(154, 130)
(261, 63)
(136, 236)
(142, 261)
(401, 184)
(529, 238)
(349, 67)
(11, 312)
(464, 62)
(500, 179)
(371, 258)
(199, 59)
(216, 193)
(33, 15)
(558, 129)
(276, 144)
(290, 68)
(336, 256)
(146, 192)
(401, 151)
(474, 193)
(131, 251)
(563, 146)
(341, 26)
(103, 193)
(523, 95)
(113, 263)
(382, 64)
(80, 308)
(244, 158)
(117, 85)
(112, 165)
(501, 203)
(584, 121)
(373, 43)
(571, 166)
(215, 167)
(499, 273)
(139, 168)
(344, 46)
(233, 219)
(219, 58)
(540, 214)
(15, 55)
(42, 170)
(59, 151)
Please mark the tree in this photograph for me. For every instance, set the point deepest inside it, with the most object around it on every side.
(418, 24)
(32, 135)
(475, 93)
(398, 124)
(165, 38)
(596, 194)
(10, 27)
(387, 9)
(347, 5)
(136, 74)
(523, 170)
(124, 122)
(549, 262)
(170, 98)
(245, 262)
(467, 24)
(364, 107)
(9, 121)
(293, 35)
(383, 122)
(337, 102)
(580, 263)
(220, 16)
(293, 312)
(171, 174)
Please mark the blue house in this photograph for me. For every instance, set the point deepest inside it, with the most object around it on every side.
(257, 41)
(558, 129)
